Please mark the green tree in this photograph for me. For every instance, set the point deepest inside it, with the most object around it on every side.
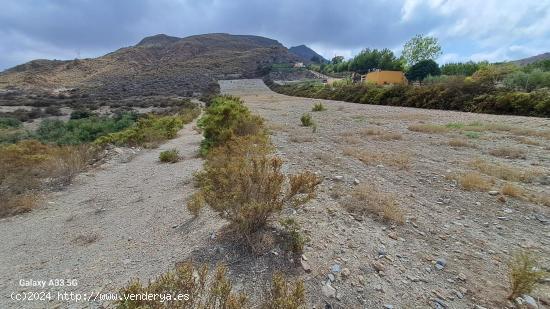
(337, 59)
(369, 59)
(422, 69)
(421, 48)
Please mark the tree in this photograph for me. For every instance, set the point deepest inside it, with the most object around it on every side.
(337, 59)
(369, 59)
(421, 48)
(422, 69)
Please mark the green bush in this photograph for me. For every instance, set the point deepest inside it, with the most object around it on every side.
(9, 122)
(225, 118)
(149, 130)
(295, 241)
(169, 156)
(456, 93)
(318, 107)
(82, 130)
(307, 120)
(81, 113)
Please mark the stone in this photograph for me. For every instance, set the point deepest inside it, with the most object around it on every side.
(461, 277)
(493, 192)
(356, 181)
(328, 291)
(335, 268)
(381, 251)
(388, 306)
(331, 277)
(346, 272)
(440, 263)
(393, 235)
(338, 178)
(305, 266)
(530, 302)
(378, 266)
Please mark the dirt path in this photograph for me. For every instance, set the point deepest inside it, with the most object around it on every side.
(125, 220)
(472, 233)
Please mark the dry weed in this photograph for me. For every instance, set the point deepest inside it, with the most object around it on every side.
(365, 198)
(505, 172)
(379, 134)
(474, 181)
(459, 142)
(429, 128)
(511, 190)
(526, 141)
(508, 152)
(524, 273)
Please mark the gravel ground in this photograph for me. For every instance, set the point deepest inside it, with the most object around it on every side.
(127, 218)
(124, 220)
(472, 234)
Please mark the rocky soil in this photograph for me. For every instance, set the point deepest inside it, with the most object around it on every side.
(123, 220)
(127, 218)
(452, 251)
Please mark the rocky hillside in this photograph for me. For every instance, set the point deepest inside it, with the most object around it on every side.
(526, 61)
(157, 65)
(305, 53)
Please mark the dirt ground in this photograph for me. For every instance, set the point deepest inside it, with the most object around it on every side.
(124, 220)
(472, 233)
(127, 219)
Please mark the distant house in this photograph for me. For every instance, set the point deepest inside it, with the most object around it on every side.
(299, 65)
(385, 77)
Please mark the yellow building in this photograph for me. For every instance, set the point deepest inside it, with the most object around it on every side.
(385, 78)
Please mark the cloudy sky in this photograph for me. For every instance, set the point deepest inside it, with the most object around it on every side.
(493, 30)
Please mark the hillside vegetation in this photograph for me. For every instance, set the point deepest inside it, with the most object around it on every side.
(494, 89)
(158, 65)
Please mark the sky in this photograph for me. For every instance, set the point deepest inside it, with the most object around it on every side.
(493, 30)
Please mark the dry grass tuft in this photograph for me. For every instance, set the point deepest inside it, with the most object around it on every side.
(349, 140)
(526, 141)
(304, 183)
(524, 273)
(195, 203)
(365, 198)
(399, 160)
(474, 181)
(379, 134)
(428, 128)
(505, 172)
(511, 190)
(508, 152)
(86, 239)
(459, 142)
(300, 138)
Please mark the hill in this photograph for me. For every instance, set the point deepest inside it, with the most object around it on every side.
(529, 60)
(157, 65)
(305, 53)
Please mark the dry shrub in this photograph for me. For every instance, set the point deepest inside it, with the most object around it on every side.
(69, 161)
(458, 142)
(294, 240)
(474, 181)
(195, 203)
(243, 182)
(365, 198)
(349, 140)
(27, 166)
(429, 128)
(511, 190)
(285, 295)
(169, 156)
(505, 172)
(508, 152)
(399, 160)
(303, 183)
(379, 134)
(300, 138)
(11, 204)
(204, 290)
(523, 273)
(526, 141)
